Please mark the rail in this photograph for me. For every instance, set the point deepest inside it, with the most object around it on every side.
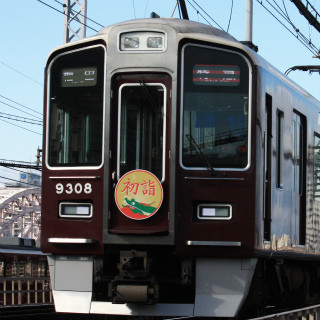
(307, 313)
(25, 291)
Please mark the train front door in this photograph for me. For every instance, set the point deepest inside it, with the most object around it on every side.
(140, 142)
(298, 178)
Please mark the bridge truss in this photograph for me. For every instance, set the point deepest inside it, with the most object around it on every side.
(20, 212)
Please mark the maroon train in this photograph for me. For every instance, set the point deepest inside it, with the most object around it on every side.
(180, 176)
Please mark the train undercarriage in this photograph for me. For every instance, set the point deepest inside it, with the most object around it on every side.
(159, 283)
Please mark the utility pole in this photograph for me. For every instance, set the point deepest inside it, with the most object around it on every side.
(75, 19)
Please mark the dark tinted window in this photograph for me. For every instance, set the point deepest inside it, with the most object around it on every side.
(76, 108)
(215, 108)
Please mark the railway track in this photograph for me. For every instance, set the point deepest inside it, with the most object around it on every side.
(37, 312)
(307, 313)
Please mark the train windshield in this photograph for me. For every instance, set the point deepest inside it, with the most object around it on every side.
(76, 84)
(215, 112)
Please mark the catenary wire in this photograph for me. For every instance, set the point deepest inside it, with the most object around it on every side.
(31, 184)
(21, 73)
(19, 110)
(91, 20)
(309, 46)
(14, 169)
(48, 5)
(21, 127)
(16, 161)
(21, 105)
(230, 15)
(204, 13)
(134, 9)
(21, 119)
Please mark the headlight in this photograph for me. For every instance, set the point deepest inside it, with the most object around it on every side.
(155, 42)
(142, 41)
(131, 42)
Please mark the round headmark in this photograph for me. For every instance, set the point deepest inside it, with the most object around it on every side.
(138, 194)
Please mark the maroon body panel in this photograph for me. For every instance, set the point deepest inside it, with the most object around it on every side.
(54, 226)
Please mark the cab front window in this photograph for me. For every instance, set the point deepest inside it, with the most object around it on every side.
(75, 128)
(215, 112)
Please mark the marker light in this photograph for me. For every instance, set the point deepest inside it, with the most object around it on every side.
(214, 211)
(75, 210)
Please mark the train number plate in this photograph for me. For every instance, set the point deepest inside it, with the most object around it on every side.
(77, 188)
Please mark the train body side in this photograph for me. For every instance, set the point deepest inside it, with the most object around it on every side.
(288, 206)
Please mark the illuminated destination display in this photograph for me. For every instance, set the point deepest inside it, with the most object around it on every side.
(79, 77)
(216, 75)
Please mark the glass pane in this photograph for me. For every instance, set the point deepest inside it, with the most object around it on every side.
(280, 117)
(215, 108)
(76, 108)
(141, 129)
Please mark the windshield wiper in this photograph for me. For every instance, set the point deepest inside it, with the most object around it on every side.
(147, 93)
(201, 155)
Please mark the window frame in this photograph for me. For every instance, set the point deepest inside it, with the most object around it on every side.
(249, 138)
(48, 108)
(279, 149)
(164, 131)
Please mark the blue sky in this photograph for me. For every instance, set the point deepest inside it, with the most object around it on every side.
(29, 30)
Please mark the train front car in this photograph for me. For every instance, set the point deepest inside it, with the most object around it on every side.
(149, 172)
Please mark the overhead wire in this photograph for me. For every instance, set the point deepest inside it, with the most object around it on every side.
(196, 4)
(230, 15)
(145, 10)
(20, 104)
(16, 161)
(31, 184)
(21, 127)
(53, 8)
(299, 36)
(22, 74)
(7, 104)
(134, 9)
(174, 9)
(21, 119)
(80, 14)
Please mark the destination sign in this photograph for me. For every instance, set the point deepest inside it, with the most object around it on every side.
(79, 77)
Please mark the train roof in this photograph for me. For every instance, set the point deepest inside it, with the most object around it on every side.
(199, 31)
(179, 25)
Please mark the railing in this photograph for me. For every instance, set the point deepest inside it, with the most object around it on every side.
(25, 291)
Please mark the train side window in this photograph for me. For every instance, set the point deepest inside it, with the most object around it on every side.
(316, 168)
(280, 118)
